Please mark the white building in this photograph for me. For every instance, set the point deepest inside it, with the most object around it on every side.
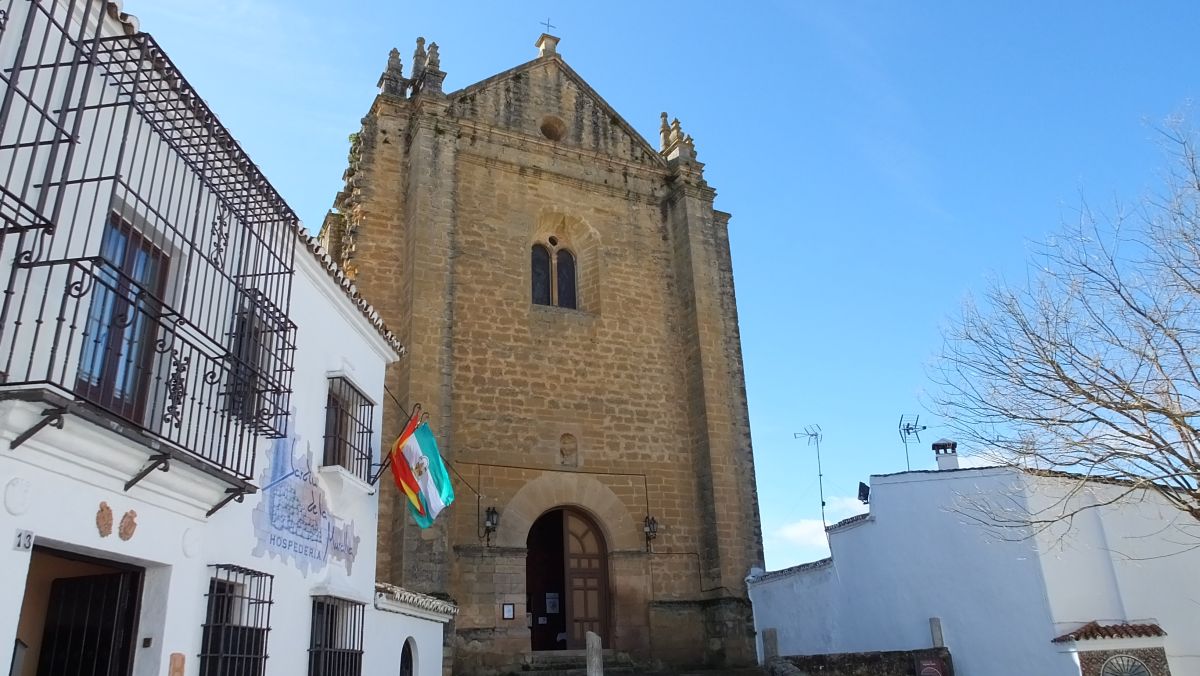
(190, 392)
(937, 559)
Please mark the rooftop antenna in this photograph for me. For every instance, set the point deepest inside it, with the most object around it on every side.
(910, 429)
(814, 435)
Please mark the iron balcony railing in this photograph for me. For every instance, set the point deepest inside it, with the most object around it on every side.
(146, 262)
(89, 329)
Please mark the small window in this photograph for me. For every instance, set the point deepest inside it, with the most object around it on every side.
(336, 647)
(234, 635)
(553, 128)
(1124, 665)
(348, 415)
(553, 276)
(407, 667)
(123, 321)
(540, 262)
(565, 278)
(244, 394)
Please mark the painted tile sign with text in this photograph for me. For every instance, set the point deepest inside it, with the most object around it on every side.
(293, 519)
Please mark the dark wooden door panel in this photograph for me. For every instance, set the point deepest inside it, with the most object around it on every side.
(586, 577)
(90, 624)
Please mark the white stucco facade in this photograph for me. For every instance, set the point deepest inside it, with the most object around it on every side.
(71, 504)
(930, 547)
(54, 484)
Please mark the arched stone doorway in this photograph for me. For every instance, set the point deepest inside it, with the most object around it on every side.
(566, 580)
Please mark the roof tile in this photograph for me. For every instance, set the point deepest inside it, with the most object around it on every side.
(1094, 630)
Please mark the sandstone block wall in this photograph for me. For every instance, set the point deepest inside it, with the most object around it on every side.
(631, 405)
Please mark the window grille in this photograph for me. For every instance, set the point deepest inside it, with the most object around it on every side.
(258, 334)
(236, 624)
(336, 647)
(348, 415)
(135, 232)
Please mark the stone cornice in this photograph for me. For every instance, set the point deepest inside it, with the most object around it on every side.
(682, 189)
(537, 172)
(395, 599)
(551, 148)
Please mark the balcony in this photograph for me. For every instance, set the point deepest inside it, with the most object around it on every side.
(146, 261)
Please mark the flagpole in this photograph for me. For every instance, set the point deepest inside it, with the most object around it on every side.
(387, 462)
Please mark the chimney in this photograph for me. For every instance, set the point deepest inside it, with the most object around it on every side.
(947, 454)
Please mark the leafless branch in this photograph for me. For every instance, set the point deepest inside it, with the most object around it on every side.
(1091, 366)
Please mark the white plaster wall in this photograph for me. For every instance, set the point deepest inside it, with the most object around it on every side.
(920, 556)
(1132, 561)
(66, 473)
(54, 483)
(386, 634)
(788, 604)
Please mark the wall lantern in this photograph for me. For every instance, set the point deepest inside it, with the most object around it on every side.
(650, 528)
(491, 521)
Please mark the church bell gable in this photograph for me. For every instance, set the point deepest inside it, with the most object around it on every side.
(547, 100)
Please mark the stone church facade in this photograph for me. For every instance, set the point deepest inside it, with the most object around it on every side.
(565, 293)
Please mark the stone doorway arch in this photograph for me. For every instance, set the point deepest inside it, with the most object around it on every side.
(569, 489)
(567, 580)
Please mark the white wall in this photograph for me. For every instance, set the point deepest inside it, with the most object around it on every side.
(920, 556)
(54, 483)
(1132, 561)
(65, 474)
(386, 635)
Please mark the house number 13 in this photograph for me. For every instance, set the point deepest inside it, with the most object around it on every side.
(24, 540)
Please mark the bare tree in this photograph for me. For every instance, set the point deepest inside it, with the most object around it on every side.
(1093, 366)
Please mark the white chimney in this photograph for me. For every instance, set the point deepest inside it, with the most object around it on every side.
(947, 454)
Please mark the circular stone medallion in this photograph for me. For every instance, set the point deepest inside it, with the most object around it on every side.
(16, 496)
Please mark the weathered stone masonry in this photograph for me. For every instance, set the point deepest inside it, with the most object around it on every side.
(631, 405)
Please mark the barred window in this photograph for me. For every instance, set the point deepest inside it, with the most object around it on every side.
(348, 415)
(336, 647)
(234, 636)
(244, 398)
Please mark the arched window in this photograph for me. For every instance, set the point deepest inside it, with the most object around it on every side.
(1124, 665)
(540, 266)
(407, 668)
(565, 264)
(552, 275)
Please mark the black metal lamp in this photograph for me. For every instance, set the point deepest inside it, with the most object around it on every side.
(491, 521)
(650, 528)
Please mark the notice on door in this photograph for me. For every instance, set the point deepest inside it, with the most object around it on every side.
(551, 603)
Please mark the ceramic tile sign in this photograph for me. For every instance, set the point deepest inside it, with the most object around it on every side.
(293, 519)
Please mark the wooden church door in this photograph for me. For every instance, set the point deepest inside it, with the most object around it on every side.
(586, 580)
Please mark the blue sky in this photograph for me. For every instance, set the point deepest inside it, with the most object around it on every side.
(882, 161)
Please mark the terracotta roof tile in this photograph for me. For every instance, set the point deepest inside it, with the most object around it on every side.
(1095, 630)
(325, 260)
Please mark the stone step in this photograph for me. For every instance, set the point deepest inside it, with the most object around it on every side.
(574, 663)
(633, 670)
(542, 661)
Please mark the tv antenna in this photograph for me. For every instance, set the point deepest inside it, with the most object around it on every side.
(814, 435)
(910, 429)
